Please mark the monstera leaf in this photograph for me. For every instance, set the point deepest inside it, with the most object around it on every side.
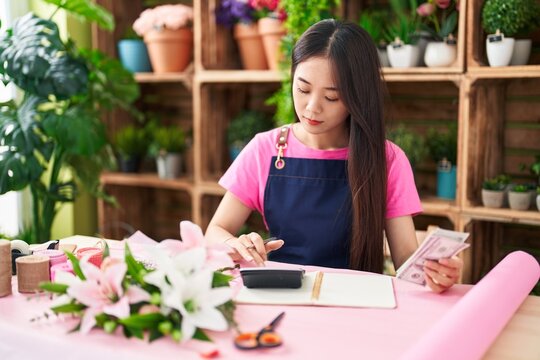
(23, 148)
(33, 56)
(86, 10)
(77, 131)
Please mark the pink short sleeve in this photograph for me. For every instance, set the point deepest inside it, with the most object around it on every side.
(402, 196)
(242, 178)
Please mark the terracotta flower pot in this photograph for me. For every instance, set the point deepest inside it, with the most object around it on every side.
(251, 47)
(169, 50)
(272, 31)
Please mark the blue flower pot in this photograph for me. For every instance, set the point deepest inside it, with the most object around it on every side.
(234, 150)
(446, 180)
(133, 55)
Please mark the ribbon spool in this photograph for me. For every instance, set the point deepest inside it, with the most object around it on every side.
(65, 267)
(5, 268)
(94, 255)
(31, 270)
(55, 256)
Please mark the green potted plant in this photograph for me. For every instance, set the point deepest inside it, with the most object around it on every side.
(504, 19)
(168, 143)
(243, 128)
(403, 51)
(131, 144)
(55, 126)
(375, 23)
(443, 150)
(411, 143)
(493, 191)
(519, 197)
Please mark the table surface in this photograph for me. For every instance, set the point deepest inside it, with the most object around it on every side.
(309, 332)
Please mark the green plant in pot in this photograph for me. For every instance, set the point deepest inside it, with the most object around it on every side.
(132, 52)
(243, 128)
(168, 143)
(504, 20)
(375, 23)
(443, 150)
(131, 144)
(519, 197)
(411, 143)
(52, 140)
(493, 191)
(403, 51)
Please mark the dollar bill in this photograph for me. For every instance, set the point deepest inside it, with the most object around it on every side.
(438, 245)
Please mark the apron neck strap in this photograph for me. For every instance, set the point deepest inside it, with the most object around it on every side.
(281, 145)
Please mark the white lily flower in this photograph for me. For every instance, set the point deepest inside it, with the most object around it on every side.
(197, 300)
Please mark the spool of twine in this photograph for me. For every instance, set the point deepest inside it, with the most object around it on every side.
(31, 270)
(5, 268)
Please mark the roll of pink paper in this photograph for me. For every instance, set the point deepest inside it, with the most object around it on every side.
(469, 328)
(66, 267)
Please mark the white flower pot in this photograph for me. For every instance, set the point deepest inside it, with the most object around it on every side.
(519, 200)
(499, 53)
(405, 56)
(383, 57)
(521, 53)
(440, 54)
(492, 198)
(169, 166)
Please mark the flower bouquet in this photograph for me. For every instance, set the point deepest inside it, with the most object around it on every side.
(168, 37)
(178, 291)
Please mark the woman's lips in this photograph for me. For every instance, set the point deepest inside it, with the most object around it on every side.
(313, 122)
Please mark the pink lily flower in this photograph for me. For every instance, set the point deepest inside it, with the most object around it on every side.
(425, 9)
(102, 292)
(217, 256)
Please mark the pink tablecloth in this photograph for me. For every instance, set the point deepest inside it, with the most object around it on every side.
(308, 332)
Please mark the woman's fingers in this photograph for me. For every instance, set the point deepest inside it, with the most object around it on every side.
(443, 274)
(274, 245)
(439, 278)
(433, 286)
(258, 244)
(248, 247)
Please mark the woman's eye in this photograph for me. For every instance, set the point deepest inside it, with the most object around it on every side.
(302, 91)
(331, 99)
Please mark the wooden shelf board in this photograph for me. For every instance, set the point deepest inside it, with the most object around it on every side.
(159, 78)
(504, 72)
(438, 207)
(146, 180)
(502, 215)
(239, 76)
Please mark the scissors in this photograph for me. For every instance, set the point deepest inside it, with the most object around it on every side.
(265, 338)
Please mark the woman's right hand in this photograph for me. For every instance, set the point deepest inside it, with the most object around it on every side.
(251, 247)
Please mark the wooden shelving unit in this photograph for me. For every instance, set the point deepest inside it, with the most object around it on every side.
(496, 110)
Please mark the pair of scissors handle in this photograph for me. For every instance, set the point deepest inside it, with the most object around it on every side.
(265, 338)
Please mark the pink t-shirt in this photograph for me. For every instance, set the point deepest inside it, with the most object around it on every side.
(246, 177)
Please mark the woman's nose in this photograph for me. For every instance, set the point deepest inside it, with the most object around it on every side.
(314, 105)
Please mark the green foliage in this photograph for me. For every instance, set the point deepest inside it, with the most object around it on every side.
(497, 183)
(535, 167)
(520, 188)
(300, 16)
(443, 145)
(375, 22)
(131, 141)
(246, 125)
(56, 124)
(411, 143)
(405, 22)
(511, 17)
(168, 139)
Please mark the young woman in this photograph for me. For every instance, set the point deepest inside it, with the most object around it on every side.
(330, 184)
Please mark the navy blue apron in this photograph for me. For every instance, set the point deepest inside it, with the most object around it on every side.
(307, 203)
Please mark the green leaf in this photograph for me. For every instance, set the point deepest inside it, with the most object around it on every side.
(23, 149)
(221, 279)
(130, 331)
(78, 131)
(68, 308)
(134, 268)
(201, 335)
(142, 321)
(76, 265)
(87, 10)
(106, 251)
(154, 335)
(54, 287)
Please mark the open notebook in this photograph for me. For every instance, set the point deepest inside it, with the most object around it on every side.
(328, 289)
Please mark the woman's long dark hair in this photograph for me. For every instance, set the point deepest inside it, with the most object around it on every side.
(357, 73)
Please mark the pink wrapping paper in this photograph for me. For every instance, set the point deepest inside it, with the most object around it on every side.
(473, 324)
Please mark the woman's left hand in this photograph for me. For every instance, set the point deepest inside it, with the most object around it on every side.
(441, 275)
